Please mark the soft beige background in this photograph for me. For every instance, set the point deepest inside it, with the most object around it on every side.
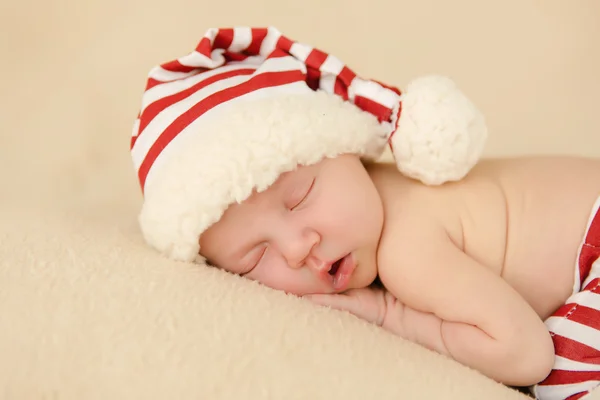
(86, 311)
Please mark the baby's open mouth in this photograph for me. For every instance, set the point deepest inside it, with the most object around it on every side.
(335, 266)
(340, 273)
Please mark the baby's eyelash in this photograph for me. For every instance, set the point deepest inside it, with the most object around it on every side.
(255, 264)
(305, 195)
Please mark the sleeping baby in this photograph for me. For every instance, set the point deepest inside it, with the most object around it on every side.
(257, 154)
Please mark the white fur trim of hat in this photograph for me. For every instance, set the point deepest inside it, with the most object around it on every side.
(249, 104)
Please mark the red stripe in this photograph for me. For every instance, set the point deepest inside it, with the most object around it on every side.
(561, 377)
(314, 61)
(232, 56)
(340, 89)
(381, 112)
(590, 251)
(223, 39)
(135, 135)
(565, 309)
(587, 256)
(204, 47)
(343, 81)
(284, 44)
(577, 395)
(593, 234)
(151, 83)
(277, 53)
(159, 105)
(267, 79)
(574, 350)
(176, 66)
(593, 286)
(347, 76)
(258, 35)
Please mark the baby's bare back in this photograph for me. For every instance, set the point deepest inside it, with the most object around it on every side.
(524, 218)
(547, 203)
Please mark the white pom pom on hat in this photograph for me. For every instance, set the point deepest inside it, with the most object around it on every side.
(440, 134)
(249, 104)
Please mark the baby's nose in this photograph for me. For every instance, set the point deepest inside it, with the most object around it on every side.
(297, 247)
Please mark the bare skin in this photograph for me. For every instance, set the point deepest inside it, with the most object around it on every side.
(470, 269)
(524, 219)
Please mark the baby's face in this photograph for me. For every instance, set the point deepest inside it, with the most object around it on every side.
(315, 230)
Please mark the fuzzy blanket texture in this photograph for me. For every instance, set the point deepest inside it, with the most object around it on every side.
(88, 311)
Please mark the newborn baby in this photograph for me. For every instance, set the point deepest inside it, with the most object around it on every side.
(257, 153)
(470, 269)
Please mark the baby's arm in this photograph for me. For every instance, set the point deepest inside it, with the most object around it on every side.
(483, 322)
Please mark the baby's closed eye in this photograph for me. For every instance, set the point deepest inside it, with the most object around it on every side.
(300, 194)
(254, 258)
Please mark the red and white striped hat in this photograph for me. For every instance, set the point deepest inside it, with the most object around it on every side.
(249, 104)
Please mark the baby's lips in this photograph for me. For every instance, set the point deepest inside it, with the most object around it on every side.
(345, 271)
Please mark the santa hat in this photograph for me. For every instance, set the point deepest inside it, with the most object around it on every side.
(250, 104)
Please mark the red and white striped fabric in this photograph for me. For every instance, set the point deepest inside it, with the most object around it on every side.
(241, 63)
(245, 106)
(575, 327)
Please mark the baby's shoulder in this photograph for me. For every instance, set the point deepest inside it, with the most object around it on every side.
(412, 208)
(418, 218)
(425, 224)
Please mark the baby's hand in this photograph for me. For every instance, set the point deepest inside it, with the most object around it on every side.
(371, 304)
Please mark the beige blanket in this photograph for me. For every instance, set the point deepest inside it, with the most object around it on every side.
(87, 311)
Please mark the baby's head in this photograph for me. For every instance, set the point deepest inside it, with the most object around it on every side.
(315, 230)
(249, 152)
